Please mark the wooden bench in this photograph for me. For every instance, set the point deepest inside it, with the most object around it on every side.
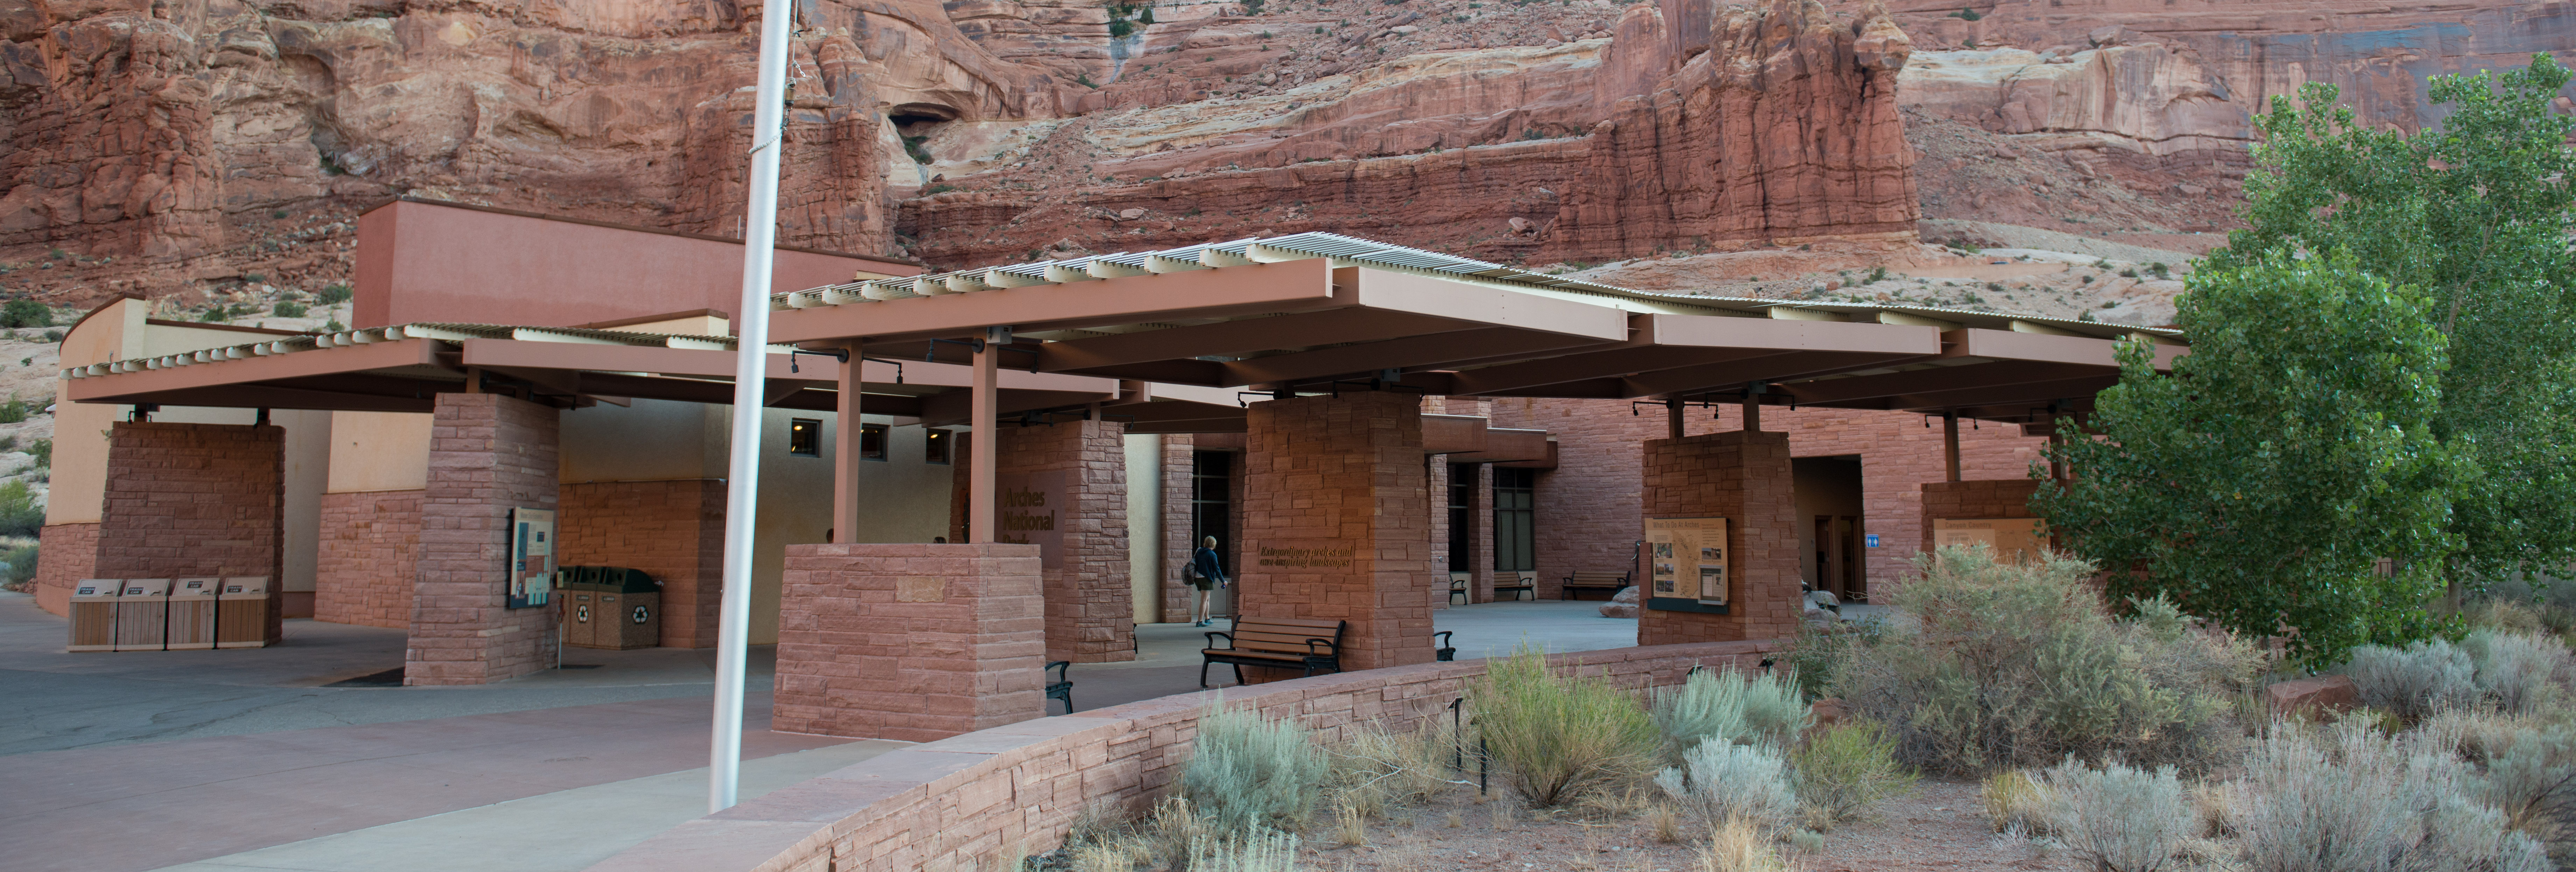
(1614, 582)
(1514, 589)
(1283, 643)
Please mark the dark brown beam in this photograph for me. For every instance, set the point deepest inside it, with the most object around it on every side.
(1396, 354)
(2036, 393)
(1235, 338)
(259, 396)
(1938, 378)
(1733, 375)
(1510, 377)
(1204, 373)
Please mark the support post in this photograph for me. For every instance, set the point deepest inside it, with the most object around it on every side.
(1752, 412)
(1673, 417)
(1950, 443)
(984, 415)
(845, 450)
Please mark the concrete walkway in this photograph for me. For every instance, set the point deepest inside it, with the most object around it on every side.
(231, 760)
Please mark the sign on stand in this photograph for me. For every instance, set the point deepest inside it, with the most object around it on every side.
(532, 558)
(1687, 564)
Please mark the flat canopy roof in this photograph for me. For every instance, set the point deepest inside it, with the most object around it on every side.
(1180, 340)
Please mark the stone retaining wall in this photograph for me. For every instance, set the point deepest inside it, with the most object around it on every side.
(959, 803)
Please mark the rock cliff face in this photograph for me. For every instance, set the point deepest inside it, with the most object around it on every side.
(206, 149)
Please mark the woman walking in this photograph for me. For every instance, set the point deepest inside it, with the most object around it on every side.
(1205, 574)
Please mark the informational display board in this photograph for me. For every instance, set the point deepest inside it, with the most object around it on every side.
(1032, 513)
(2014, 540)
(532, 558)
(1686, 559)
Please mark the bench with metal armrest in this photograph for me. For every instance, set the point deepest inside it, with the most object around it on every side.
(1062, 687)
(1613, 582)
(1285, 643)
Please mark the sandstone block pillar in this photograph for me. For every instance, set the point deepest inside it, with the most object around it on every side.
(1337, 522)
(195, 500)
(488, 454)
(909, 642)
(1063, 488)
(1745, 478)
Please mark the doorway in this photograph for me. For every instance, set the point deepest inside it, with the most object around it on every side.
(1832, 539)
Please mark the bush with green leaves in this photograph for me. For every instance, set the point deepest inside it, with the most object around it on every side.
(2348, 797)
(19, 565)
(1557, 736)
(43, 449)
(15, 411)
(1997, 664)
(1729, 706)
(2122, 819)
(25, 313)
(1842, 770)
(333, 295)
(285, 309)
(19, 514)
(1246, 772)
(1720, 781)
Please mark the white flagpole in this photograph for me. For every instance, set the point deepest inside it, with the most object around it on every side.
(751, 365)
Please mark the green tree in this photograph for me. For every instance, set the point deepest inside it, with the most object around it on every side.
(25, 313)
(2476, 213)
(2291, 451)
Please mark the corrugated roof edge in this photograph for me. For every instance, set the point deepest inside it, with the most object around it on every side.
(399, 332)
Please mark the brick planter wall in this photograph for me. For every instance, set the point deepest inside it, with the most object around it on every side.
(673, 530)
(488, 453)
(962, 802)
(189, 500)
(909, 642)
(1340, 474)
(1745, 478)
(65, 554)
(370, 554)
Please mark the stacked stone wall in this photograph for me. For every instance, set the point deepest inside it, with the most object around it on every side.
(672, 530)
(1337, 522)
(368, 558)
(488, 454)
(1745, 478)
(195, 500)
(65, 554)
(909, 642)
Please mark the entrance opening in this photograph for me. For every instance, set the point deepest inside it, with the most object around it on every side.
(1212, 511)
(1831, 556)
(1515, 521)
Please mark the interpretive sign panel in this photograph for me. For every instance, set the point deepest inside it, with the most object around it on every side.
(2014, 540)
(532, 558)
(1686, 559)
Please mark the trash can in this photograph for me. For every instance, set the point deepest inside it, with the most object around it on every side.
(630, 610)
(94, 614)
(143, 614)
(241, 613)
(581, 615)
(192, 613)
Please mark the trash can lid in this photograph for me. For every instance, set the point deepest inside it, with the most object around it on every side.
(618, 579)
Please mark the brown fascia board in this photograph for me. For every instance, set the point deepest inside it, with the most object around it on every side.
(200, 325)
(496, 210)
(648, 319)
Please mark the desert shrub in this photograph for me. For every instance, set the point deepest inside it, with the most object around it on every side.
(1822, 647)
(1559, 736)
(1253, 851)
(1377, 767)
(2349, 799)
(286, 309)
(1728, 706)
(333, 295)
(14, 411)
(1842, 770)
(2415, 681)
(1724, 782)
(2518, 671)
(1245, 772)
(1740, 846)
(2012, 664)
(2531, 777)
(18, 565)
(19, 514)
(43, 449)
(2016, 802)
(25, 313)
(2122, 819)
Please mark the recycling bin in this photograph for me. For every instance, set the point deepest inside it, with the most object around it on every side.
(143, 614)
(94, 614)
(241, 613)
(630, 610)
(192, 613)
(581, 616)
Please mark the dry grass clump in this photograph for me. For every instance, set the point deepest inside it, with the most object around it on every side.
(1559, 737)
(1842, 770)
(2006, 665)
(1738, 845)
(1377, 768)
(2016, 802)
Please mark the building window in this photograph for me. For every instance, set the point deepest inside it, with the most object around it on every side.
(1515, 514)
(936, 444)
(1462, 516)
(872, 441)
(805, 437)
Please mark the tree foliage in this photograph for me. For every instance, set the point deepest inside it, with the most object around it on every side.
(2261, 484)
(2476, 213)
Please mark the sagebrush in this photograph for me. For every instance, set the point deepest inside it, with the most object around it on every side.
(2122, 819)
(1729, 706)
(1245, 772)
(1557, 736)
(2347, 798)
(1720, 782)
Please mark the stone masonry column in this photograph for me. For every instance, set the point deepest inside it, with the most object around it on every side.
(909, 642)
(488, 454)
(195, 500)
(1744, 478)
(1064, 488)
(1336, 522)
